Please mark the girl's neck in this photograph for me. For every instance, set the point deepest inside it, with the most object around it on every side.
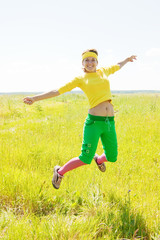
(91, 72)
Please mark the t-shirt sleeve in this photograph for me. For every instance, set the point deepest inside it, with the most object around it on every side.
(69, 86)
(110, 70)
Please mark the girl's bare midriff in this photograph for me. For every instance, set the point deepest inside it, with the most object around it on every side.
(102, 109)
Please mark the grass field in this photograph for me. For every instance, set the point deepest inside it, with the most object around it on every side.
(122, 203)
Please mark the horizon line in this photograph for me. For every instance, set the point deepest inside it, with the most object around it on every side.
(113, 91)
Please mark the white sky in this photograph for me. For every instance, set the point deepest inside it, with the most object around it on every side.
(41, 42)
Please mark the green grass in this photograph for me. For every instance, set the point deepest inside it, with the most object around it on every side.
(122, 203)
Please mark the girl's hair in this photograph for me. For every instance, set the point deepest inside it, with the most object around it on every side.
(90, 50)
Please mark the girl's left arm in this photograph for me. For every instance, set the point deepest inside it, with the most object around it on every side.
(129, 59)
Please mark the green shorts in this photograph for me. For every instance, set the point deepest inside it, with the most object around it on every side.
(96, 127)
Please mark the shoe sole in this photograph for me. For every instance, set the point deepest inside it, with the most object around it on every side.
(54, 171)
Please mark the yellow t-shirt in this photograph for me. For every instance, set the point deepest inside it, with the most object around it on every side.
(95, 85)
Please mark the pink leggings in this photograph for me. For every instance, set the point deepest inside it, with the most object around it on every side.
(76, 162)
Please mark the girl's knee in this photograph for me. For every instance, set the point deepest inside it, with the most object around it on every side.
(86, 158)
(112, 158)
(87, 153)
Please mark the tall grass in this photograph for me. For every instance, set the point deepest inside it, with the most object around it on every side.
(122, 203)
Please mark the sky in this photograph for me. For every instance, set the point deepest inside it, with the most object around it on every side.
(41, 42)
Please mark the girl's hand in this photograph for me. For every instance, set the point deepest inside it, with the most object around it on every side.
(133, 57)
(28, 100)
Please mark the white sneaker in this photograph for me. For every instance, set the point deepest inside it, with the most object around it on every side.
(57, 178)
(102, 166)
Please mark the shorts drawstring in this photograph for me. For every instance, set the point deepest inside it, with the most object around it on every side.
(108, 122)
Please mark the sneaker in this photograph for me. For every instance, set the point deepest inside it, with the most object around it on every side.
(102, 166)
(57, 178)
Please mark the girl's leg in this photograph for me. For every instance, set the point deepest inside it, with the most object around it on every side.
(70, 165)
(101, 159)
(60, 171)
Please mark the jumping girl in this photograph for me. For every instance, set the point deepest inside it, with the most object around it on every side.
(100, 120)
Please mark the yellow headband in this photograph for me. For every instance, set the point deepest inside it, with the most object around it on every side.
(89, 54)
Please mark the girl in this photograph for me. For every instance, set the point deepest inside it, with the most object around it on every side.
(100, 120)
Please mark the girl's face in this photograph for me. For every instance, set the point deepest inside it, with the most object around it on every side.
(90, 64)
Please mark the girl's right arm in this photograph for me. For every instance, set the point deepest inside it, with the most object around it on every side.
(129, 59)
(31, 100)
